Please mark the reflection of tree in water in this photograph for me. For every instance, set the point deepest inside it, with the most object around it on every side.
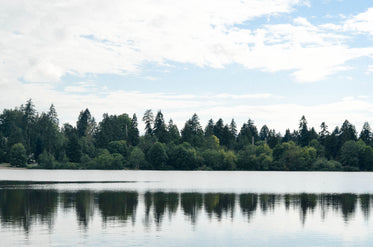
(248, 204)
(117, 205)
(365, 205)
(219, 204)
(268, 202)
(147, 203)
(22, 208)
(82, 202)
(191, 203)
(307, 204)
(163, 202)
(344, 202)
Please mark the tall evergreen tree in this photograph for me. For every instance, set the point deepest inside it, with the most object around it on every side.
(159, 129)
(366, 134)
(264, 132)
(29, 119)
(85, 123)
(192, 131)
(173, 132)
(303, 132)
(133, 137)
(148, 118)
(324, 133)
(209, 130)
(347, 132)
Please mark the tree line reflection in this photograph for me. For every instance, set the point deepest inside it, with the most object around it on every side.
(22, 208)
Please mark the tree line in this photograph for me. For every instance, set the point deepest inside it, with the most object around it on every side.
(29, 137)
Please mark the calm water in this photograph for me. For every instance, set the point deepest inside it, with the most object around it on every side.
(139, 208)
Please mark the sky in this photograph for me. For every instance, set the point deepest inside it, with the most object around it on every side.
(271, 61)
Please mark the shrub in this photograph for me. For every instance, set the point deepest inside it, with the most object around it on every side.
(17, 155)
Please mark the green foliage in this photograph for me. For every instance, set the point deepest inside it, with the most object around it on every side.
(74, 149)
(109, 161)
(157, 156)
(17, 155)
(46, 160)
(137, 159)
(322, 164)
(182, 157)
(119, 147)
(115, 143)
(357, 155)
(212, 142)
(212, 159)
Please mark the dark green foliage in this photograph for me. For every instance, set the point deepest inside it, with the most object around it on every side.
(115, 143)
(157, 156)
(357, 155)
(148, 118)
(160, 129)
(248, 134)
(109, 161)
(366, 134)
(133, 135)
(173, 132)
(209, 130)
(115, 128)
(3, 148)
(119, 147)
(182, 157)
(347, 132)
(17, 155)
(192, 132)
(86, 124)
(46, 160)
(137, 159)
(73, 149)
(304, 137)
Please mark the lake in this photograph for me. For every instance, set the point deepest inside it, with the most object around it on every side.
(185, 208)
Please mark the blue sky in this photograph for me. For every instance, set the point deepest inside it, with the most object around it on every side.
(269, 60)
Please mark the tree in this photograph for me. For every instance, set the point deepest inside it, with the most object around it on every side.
(192, 132)
(29, 119)
(173, 132)
(148, 118)
(159, 129)
(85, 124)
(366, 134)
(350, 153)
(137, 159)
(17, 155)
(303, 132)
(248, 134)
(209, 130)
(218, 130)
(157, 156)
(182, 157)
(74, 148)
(347, 132)
(287, 137)
(264, 132)
(119, 147)
(324, 133)
(133, 137)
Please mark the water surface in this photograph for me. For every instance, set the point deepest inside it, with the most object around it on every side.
(149, 208)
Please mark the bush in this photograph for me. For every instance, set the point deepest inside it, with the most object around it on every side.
(47, 160)
(17, 155)
(137, 159)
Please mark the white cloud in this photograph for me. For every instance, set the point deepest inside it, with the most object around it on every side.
(42, 42)
(362, 22)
